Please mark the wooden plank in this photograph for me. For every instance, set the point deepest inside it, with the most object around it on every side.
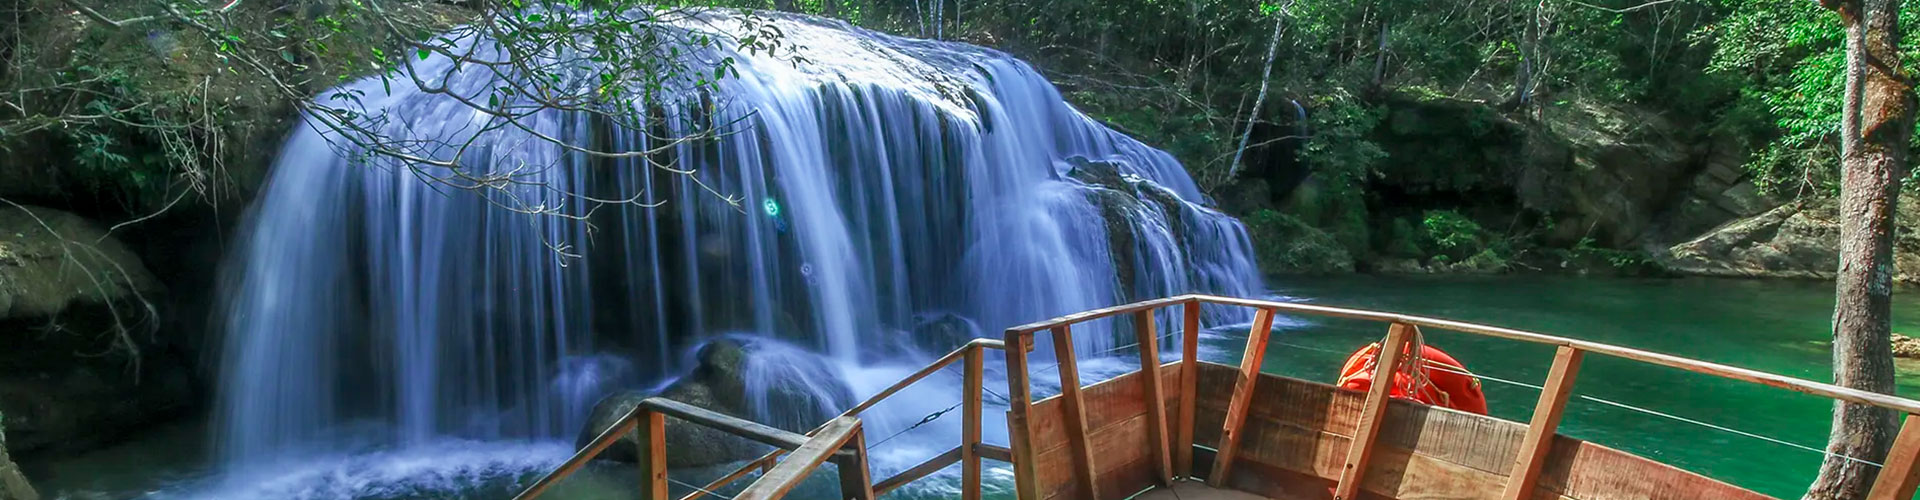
(1119, 445)
(1375, 410)
(1286, 410)
(1078, 317)
(599, 444)
(803, 461)
(1144, 332)
(1074, 410)
(1588, 471)
(726, 423)
(1243, 391)
(762, 464)
(1830, 391)
(653, 456)
(1116, 399)
(991, 452)
(970, 426)
(1901, 474)
(930, 466)
(1546, 421)
(1019, 406)
(1189, 382)
(856, 481)
(937, 365)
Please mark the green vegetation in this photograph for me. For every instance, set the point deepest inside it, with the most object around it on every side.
(1787, 57)
(1511, 114)
(1285, 245)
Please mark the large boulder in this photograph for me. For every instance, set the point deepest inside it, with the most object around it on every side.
(1791, 241)
(1579, 170)
(729, 380)
(83, 363)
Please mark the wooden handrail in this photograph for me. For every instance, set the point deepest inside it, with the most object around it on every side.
(763, 463)
(580, 458)
(930, 466)
(1829, 391)
(1100, 313)
(1898, 479)
(937, 365)
(726, 423)
(781, 439)
(788, 473)
(1374, 411)
(1532, 457)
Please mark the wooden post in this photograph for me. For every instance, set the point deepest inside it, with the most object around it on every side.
(1532, 456)
(970, 428)
(1189, 389)
(1026, 476)
(1901, 474)
(1149, 338)
(1242, 397)
(1074, 412)
(653, 455)
(804, 460)
(1374, 412)
(856, 481)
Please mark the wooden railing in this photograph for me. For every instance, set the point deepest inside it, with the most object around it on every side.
(840, 440)
(1897, 479)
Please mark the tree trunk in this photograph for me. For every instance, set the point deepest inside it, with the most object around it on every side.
(1259, 103)
(1380, 57)
(1876, 124)
(1523, 75)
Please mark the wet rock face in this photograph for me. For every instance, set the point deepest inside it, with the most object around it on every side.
(719, 383)
(83, 363)
(1787, 242)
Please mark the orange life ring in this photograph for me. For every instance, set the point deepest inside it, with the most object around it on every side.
(1449, 387)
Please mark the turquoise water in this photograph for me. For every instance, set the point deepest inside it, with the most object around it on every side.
(1772, 326)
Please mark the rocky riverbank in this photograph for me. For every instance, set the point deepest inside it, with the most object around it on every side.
(1580, 188)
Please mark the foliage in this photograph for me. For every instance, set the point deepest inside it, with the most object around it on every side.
(1284, 244)
(178, 88)
(1446, 232)
(1789, 55)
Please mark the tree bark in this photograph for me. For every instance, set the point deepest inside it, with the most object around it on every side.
(1876, 124)
(1259, 102)
(1529, 57)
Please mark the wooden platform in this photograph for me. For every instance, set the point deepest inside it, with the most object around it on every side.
(1193, 490)
(1193, 430)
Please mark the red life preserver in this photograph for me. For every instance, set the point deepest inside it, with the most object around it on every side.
(1448, 389)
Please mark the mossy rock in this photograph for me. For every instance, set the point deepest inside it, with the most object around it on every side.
(1285, 245)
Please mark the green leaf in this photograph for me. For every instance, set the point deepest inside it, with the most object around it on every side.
(423, 53)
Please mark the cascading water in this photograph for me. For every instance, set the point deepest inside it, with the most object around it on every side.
(885, 180)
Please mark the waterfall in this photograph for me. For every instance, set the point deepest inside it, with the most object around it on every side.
(882, 181)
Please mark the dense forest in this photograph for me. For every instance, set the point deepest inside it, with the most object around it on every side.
(1509, 136)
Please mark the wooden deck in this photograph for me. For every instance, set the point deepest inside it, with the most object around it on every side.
(1193, 430)
(1194, 490)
